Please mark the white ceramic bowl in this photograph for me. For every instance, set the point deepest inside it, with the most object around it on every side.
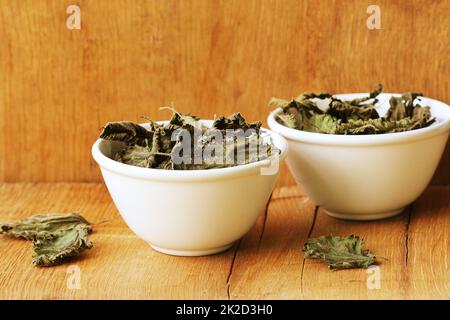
(192, 212)
(366, 177)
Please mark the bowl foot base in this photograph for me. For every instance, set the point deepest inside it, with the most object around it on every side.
(191, 253)
(362, 217)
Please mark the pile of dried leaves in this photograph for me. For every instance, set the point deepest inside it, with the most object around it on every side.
(339, 252)
(55, 237)
(357, 116)
(154, 147)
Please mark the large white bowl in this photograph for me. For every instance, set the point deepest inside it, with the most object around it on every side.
(192, 212)
(366, 177)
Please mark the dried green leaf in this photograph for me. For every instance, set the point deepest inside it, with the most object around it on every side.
(138, 156)
(128, 132)
(55, 237)
(373, 126)
(345, 111)
(181, 120)
(308, 107)
(43, 226)
(403, 107)
(421, 118)
(167, 141)
(397, 110)
(288, 120)
(311, 95)
(408, 99)
(321, 123)
(339, 252)
(165, 165)
(235, 122)
(372, 95)
(278, 103)
(296, 114)
(422, 115)
(357, 116)
(66, 244)
(293, 110)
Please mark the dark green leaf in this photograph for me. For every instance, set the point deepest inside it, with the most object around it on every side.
(235, 122)
(127, 132)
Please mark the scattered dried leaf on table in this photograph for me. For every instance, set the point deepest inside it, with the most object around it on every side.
(339, 252)
(43, 226)
(55, 237)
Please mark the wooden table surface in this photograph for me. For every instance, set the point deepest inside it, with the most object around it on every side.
(266, 264)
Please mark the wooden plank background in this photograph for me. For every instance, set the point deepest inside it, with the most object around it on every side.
(266, 264)
(59, 86)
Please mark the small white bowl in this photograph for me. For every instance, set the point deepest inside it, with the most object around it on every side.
(366, 177)
(188, 212)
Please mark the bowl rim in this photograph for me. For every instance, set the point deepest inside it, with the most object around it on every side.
(187, 175)
(442, 125)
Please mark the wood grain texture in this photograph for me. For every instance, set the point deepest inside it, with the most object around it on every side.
(267, 263)
(59, 86)
(413, 259)
(428, 234)
(119, 266)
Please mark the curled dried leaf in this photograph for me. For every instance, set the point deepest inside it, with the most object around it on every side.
(43, 226)
(66, 244)
(339, 252)
(55, 237)
(179, 119)
(288, 120)
(322, 123)
(235, 122)
(126, 131)
(352, 117)
(167, 142)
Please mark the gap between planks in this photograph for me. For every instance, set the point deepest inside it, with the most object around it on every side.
(421, 276)
(391, 237)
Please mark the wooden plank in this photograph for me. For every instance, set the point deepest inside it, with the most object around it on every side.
(385, 238)
(428, 260)
(273, 267)
(58, 87)
(438, 10)
(268, 263)
(120, 266)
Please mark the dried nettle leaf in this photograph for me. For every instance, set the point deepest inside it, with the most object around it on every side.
(372, 95)
(55, 237)
(158, 147)
(403, 108)
(303, 114)
(322, 123)
(235, 122)
(288, 120)
(339, 252)
(68, 243)
(137, 156)
(43, 226)
(357, 116)
(127, 132)
(345, 111)
(179, 119)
